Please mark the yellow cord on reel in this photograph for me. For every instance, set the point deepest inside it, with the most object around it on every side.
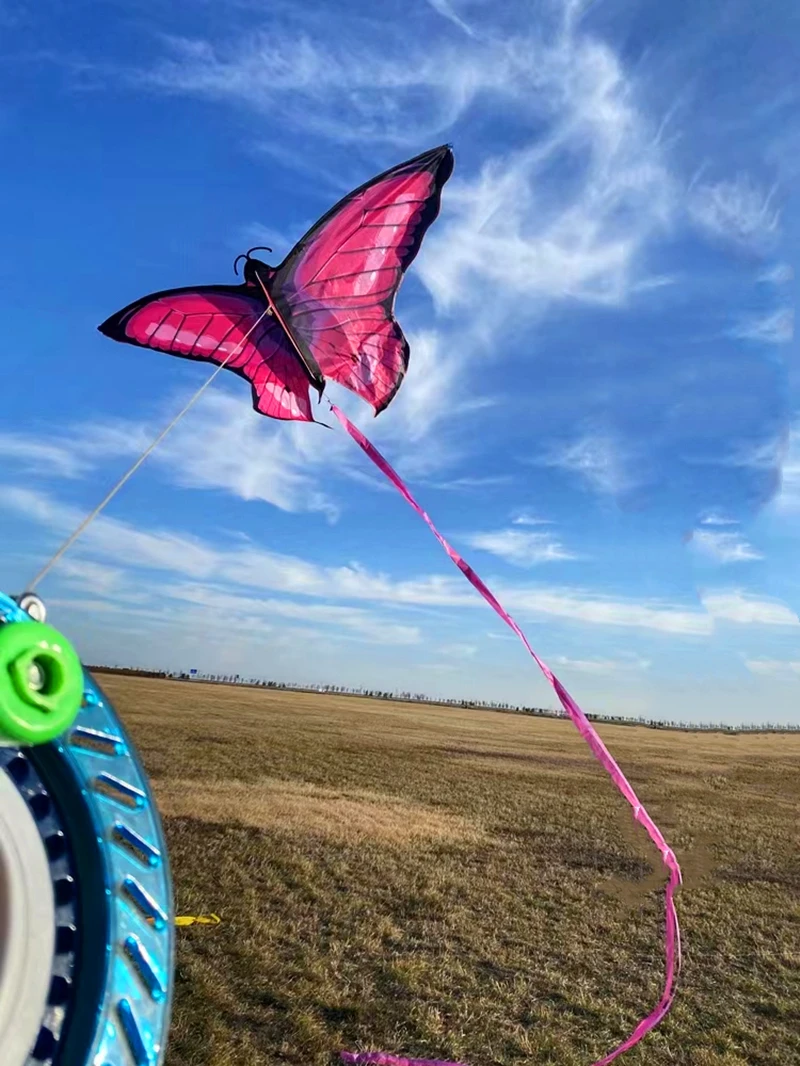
(194, 919)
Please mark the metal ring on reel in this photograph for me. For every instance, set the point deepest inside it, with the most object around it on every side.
(86, 824)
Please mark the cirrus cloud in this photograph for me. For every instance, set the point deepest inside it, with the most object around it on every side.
(520, 547)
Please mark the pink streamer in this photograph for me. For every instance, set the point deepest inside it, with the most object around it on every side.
(380, 1058)
(601, 752)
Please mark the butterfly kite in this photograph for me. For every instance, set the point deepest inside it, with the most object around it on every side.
(327, 311)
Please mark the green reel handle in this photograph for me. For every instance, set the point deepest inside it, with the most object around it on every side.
(41, 683)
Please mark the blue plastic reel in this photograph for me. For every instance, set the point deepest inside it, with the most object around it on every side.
(112, 969)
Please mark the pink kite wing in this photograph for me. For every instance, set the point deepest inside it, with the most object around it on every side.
(335, 292)
(221, 325)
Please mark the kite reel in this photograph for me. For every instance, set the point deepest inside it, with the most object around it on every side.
(86, 913)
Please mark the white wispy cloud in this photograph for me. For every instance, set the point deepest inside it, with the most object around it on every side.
(508, 231)
(605, 463)
(766, 460)
(724, 547)
(447, 10)
(225, 445)
(519, 547)
(601, 666)
(714, 518)
(736, 210)
(32, 455)
(589, 609)
(103, 579)
(779, 274)
(739, 607)
(353, 621)
(787, 500)
(181, 555)
(774, 327)
(526, 518)
(512, 228)
(110, 541)
(469, 483)
(340, 88)
(458, 651)
(778, 668)
(115, 540)
(425, 398)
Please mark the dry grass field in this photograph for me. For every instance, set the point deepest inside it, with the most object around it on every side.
(465, 884)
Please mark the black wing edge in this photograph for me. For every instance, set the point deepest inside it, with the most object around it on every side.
(401, 379)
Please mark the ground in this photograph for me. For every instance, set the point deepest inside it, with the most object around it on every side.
(463, 884)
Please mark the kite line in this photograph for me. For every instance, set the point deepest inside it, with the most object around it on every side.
(132, 470)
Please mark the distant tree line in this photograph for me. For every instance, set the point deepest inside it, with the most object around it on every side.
(420, 697)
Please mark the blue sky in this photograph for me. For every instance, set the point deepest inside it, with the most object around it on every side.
(602, 410)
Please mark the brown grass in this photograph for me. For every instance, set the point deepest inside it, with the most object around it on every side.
(467, 885)
(352, 815)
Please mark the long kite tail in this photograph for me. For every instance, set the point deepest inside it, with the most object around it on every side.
(601, 752)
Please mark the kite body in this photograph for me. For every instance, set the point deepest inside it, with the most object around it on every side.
(327, 311)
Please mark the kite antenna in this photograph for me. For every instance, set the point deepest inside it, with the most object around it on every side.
(246, 256)
(148, 450)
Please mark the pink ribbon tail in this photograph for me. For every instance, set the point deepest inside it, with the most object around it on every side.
(672, 947)
(380, 1058)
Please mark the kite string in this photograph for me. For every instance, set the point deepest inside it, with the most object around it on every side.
(601, 752)
(148, 451)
